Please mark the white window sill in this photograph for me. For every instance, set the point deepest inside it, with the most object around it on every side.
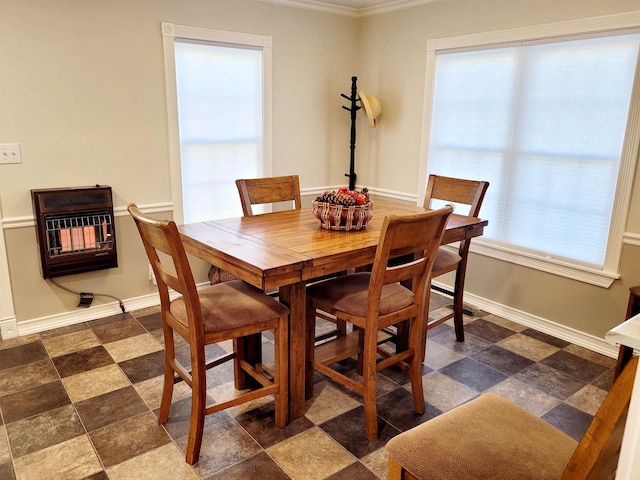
(588, 275)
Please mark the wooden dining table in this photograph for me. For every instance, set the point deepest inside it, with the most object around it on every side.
(283, 250)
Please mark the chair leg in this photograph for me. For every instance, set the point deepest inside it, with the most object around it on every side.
(341, 326)
(281, 376)
(247, 348)
(415, 365)
(340, 329)
(167, 387)
(397, 472)
(423, 326)
(198, 405)
(458, 310)
(369, 383)
(167, 394)
(310, 339)
(360, 358)
(458, 291)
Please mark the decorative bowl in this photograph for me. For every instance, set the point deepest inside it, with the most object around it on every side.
(332, 216)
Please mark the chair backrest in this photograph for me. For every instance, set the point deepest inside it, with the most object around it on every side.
(172, 269)
(458, 191)
(414, 241)
(256, 191)
(597, 454)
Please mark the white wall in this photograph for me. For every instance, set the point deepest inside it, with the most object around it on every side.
(84, 96)
(83, 93)
(393, 64)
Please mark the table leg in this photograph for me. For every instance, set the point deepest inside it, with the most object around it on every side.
(458, 307)
(633, 308)
(294, 296)
(624, 355)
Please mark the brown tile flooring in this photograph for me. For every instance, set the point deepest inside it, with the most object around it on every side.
(81, 402)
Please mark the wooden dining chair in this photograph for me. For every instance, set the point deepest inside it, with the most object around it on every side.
(373, 301)
(459, 192)
(491, 437)
(225, 311)
(260, 191)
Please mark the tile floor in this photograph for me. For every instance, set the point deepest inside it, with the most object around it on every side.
(81, 402)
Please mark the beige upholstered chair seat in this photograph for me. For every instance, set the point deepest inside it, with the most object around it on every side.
(496, 438)
(349, 294)
(234, 304)
(493, 438)
(446, 261)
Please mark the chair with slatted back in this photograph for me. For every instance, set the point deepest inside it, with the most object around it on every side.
(491, 437)
(261, 191)
(459, 192)
(373, 301)
(231, 310)
(273, 190)
(268, 190)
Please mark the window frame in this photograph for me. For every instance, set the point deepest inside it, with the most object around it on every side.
(171, 32)
(539, 33)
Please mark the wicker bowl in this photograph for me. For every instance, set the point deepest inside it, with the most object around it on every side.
(340, 217)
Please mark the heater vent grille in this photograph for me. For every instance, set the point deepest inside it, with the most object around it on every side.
(80, 200)
(68, 235)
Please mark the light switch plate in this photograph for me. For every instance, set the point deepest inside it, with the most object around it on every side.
(10, 153)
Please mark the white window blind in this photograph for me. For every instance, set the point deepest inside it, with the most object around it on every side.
(219, 105)
(545, 124)
(219, 92)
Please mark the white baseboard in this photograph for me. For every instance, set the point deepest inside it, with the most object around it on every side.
(80, 315)
(576, 337)
(591, 342)
(42, 324)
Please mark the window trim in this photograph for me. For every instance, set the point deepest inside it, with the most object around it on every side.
(169, 33)
(597, 25)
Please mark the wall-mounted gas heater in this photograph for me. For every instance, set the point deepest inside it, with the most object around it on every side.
(76, 229)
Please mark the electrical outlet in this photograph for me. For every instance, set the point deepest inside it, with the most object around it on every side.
(152, 276)
(10, 153)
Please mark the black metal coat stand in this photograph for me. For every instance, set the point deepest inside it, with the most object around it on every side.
(353, 109)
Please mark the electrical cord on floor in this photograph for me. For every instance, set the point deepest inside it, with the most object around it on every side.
(86, 298)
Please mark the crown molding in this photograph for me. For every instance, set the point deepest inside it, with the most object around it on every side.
(325, 7)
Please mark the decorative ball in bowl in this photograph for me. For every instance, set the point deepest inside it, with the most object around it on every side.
(343, 209)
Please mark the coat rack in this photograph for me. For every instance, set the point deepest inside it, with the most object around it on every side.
(353, 108)
(372, 109)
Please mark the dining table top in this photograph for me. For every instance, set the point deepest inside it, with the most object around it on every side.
(285, 247)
